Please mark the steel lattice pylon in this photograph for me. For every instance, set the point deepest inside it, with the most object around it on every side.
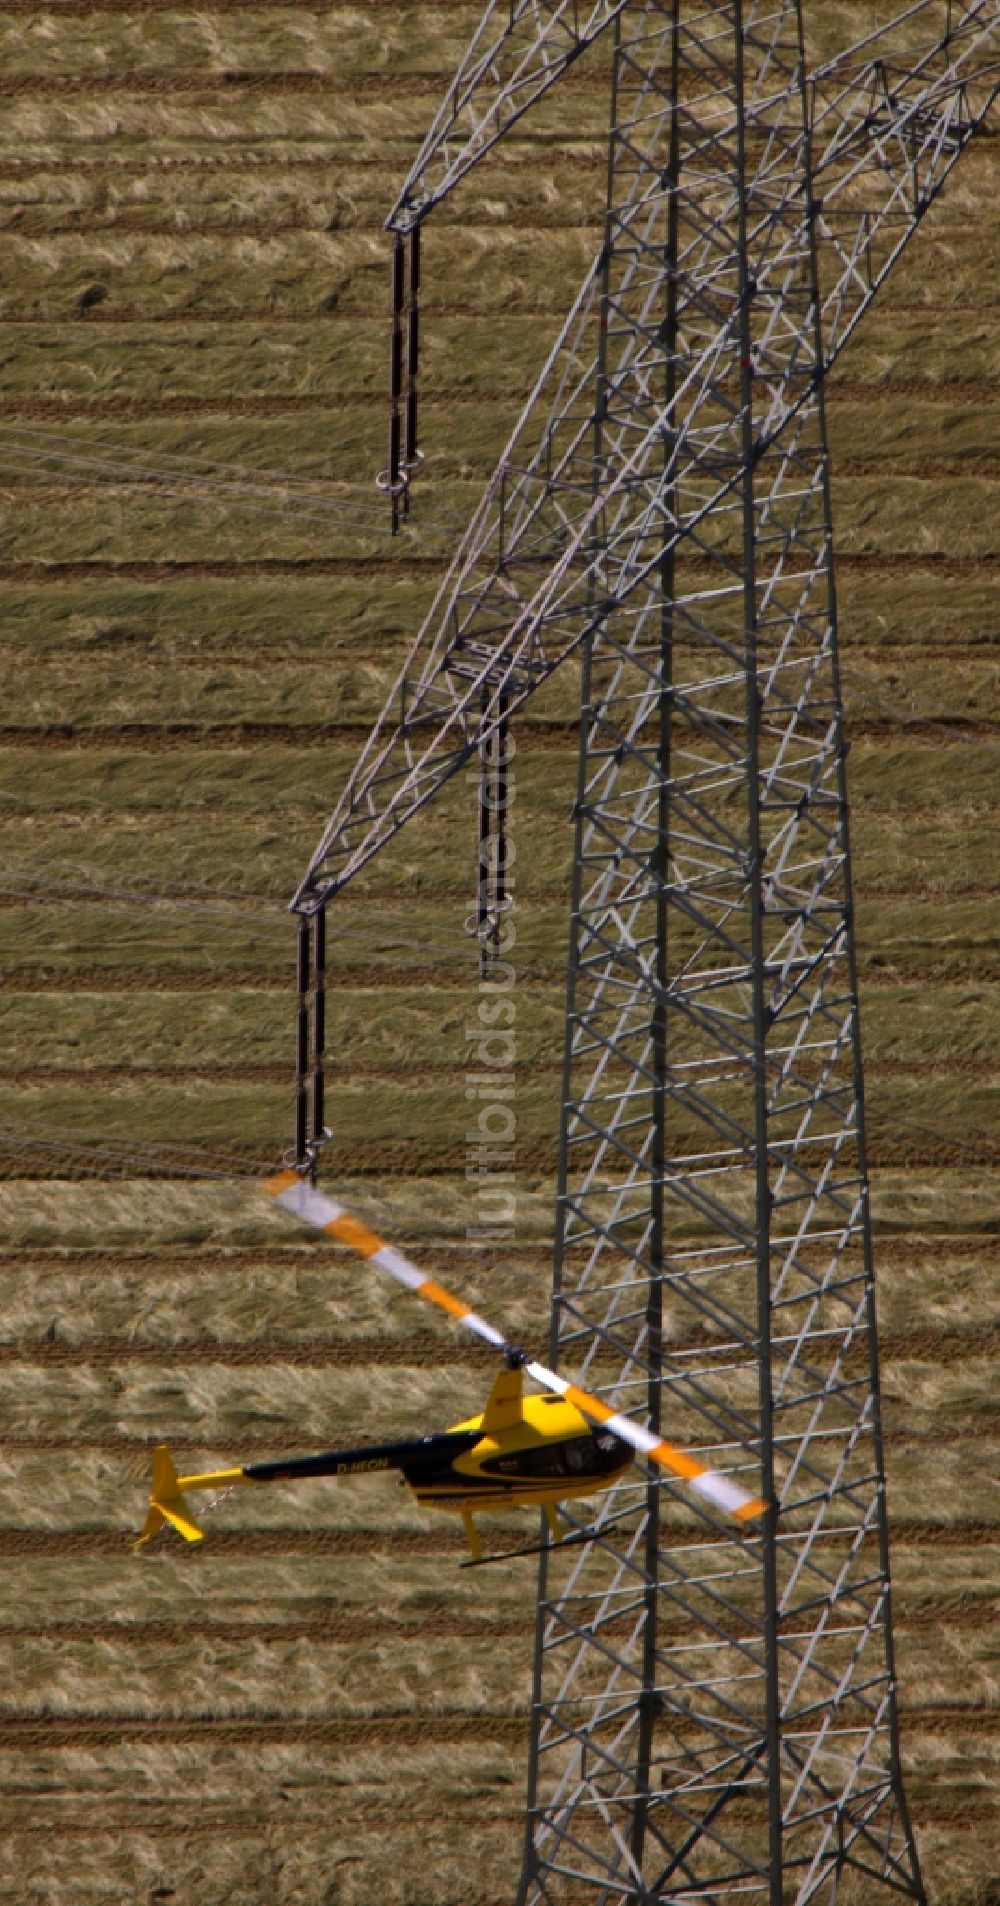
(714, 1707)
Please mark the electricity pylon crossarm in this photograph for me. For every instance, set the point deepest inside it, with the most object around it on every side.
(547, 550)
(519, 50)
(714, 1709)
(522, 47)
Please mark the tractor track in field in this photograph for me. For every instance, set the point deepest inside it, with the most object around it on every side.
(152, 979)
(335, 1629)
(306, 737)
(45, 485)
(259, 1825)
(973, 1614)
(124, 409)
(388, 569)
(38, 1157)
(334, 1353)
(274, 907)
(444, 1543)
(449, 1727)
(279, 568)
(130, 222)
(114, 9)
(50, 1161)
(549, 976)
(234, 1823)
(260, 1830)
(313, 219)
(121, 407)
(344, 313)
(239, 737)
(223, 83)
(267, 154)
(236, 1260)
(386, 1074)
(117, 1160)
(324, 1353)
(134, 1452)
(265, 1729)
(298, 490)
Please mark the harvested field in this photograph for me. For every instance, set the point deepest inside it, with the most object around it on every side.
(320, 1709)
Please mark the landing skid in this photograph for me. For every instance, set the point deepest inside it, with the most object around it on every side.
(575, 1539)
(537, 1548)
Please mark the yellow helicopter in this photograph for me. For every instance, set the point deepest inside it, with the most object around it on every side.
(522, 1450)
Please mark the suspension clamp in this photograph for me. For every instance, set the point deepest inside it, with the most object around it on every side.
(306, 1165)
(385, 483)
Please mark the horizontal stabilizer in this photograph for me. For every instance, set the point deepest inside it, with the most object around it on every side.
(180, 1518)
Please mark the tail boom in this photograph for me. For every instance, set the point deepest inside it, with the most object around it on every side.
(420, 1460)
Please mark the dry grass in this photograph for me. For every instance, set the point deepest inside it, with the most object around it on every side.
(393, 1125)
(154, 947)
(399, 1031)
(927, 777)
(338, 43)
(302, 272)
(152, 693)
(291, 1298)
(327, 1593)
(213, 1216)
(922, 519)
(344, 442)
(256, 1860)
(235, 818)
(903, 625)
(954, 1202)
(74, 366)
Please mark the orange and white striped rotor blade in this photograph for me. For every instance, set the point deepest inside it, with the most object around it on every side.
(299, 1197)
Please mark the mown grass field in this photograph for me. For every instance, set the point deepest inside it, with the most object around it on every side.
(320, 1710)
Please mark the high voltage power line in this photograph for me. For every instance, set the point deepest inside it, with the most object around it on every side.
(31, 448)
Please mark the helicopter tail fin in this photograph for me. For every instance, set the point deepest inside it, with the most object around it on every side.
(166, 1503)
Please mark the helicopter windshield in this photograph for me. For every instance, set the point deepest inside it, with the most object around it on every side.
(596, 1455)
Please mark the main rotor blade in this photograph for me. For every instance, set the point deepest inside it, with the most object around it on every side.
(298, 1196)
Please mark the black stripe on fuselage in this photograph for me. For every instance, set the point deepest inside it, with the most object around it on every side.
(423, 1457)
